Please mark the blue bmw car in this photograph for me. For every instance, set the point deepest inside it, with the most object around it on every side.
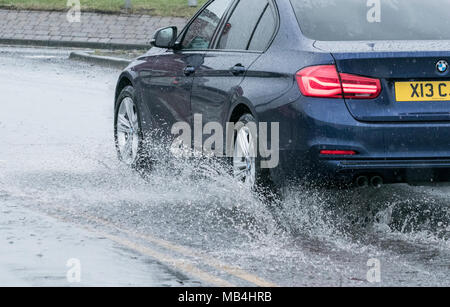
(360, 89)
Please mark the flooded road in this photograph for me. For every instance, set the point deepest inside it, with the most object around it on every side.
(64, 195)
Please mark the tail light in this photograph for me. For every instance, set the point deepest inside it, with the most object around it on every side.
(324, 81)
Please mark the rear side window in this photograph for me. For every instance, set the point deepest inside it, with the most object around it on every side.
(360, 20)
(264, 31)
(239, 28)
(200, 32)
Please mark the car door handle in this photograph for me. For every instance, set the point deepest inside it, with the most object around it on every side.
(189, 70)
(238, 69)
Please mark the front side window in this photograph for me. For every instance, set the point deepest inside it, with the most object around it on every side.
(201, 30)
(240, 27)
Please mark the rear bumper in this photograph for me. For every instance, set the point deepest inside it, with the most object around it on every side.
(398, 152)
(315, 168)
(388, 164)
(392, 171)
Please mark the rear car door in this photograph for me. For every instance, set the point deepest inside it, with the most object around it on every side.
(224, 67)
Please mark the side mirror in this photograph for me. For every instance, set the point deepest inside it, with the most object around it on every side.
(165, 37)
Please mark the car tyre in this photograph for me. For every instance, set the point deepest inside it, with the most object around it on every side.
(128, 133)
(246, 161)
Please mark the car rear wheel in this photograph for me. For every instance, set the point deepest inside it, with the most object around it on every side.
(244, 157)
(246, 160)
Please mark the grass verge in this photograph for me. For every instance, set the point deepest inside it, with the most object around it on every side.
(175, 8)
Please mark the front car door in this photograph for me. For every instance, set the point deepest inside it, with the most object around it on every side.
(167, 80)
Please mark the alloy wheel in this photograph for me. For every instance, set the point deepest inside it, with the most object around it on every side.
(127, 131)
(244, 158)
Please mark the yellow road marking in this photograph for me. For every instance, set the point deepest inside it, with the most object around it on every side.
(232, 270)
(235, 271)
(181, 264)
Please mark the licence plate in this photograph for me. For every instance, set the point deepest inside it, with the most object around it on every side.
(422, 91)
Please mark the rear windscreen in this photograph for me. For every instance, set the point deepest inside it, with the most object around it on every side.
(355, 20)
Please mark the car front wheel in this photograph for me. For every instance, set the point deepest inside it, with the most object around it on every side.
(127, 128)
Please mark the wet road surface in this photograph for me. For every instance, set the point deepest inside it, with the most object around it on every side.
(63, 195)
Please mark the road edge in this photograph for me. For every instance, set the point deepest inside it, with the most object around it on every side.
(99, 60)
(72, 44)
